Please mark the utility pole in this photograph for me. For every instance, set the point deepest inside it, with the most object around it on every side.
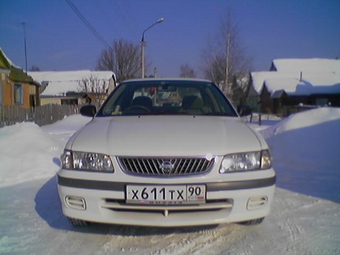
(24, 24)
(227, 68)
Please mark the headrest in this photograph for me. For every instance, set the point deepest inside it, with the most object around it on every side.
(142, 100)
(192, 102)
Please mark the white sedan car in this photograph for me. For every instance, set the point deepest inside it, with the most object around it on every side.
(166, 152)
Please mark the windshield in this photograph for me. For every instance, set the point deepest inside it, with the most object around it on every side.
(174, 97)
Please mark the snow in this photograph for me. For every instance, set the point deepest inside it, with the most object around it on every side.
(305, 87)
(305, 217)
(300, 77)
(61, 82)
(307, 65)
(310, 83)
(29, 152)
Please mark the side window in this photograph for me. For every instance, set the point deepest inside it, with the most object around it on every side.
(18, 94)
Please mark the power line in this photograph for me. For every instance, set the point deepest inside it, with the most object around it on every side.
(88, 25)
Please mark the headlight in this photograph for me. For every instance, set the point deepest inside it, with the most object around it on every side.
(246, 161)
(74, 160)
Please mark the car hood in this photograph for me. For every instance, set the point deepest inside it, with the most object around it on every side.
(165, 136)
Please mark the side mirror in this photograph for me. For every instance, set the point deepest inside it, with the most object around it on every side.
(244, 110)
(88, 110)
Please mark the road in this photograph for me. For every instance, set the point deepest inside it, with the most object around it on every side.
(32, 223)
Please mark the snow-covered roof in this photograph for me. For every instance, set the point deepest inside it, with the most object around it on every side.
(16, 74)
(10, 63)
(300, 77)
(60, 83)
(258, 78)
(319, 65)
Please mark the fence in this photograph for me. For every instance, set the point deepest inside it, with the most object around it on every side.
(49, 114)
(42, 115)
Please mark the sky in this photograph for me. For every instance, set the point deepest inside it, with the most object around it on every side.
(57, 39)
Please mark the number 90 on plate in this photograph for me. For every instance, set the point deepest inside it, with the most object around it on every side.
(165, 194)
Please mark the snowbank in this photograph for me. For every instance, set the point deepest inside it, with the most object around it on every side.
(305, 150)
(304, 120)
(28, 152)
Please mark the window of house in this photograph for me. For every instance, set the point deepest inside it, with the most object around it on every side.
(0, 93)
(18, 94)
(69, 101)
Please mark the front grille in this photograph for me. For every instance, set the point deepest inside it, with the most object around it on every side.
(165, 166)
(209, 205)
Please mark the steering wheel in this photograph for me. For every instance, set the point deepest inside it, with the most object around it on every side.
(136, 109)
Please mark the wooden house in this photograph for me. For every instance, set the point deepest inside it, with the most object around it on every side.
(17, 88)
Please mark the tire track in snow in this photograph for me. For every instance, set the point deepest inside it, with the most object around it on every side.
(292, 229)
(187, 246)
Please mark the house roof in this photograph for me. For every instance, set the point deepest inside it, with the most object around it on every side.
(318, 65)
(59, 83)
(16, 73)
(299, 77)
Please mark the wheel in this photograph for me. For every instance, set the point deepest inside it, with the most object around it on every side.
(77, 222)
(251, 222)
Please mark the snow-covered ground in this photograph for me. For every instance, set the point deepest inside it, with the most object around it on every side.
(305, 217)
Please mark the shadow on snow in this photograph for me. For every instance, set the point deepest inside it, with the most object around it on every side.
(306, 160)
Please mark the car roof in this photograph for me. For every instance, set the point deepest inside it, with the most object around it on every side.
(166, 79)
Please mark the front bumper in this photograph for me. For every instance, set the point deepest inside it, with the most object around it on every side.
(226, 201)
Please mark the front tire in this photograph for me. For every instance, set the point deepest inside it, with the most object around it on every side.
(252, 222)
(78, 223)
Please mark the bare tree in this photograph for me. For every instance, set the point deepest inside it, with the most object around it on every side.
(187, 71)
(123, 58)
(35, 69)
(95, 89)
(225, 57)
(240, 87)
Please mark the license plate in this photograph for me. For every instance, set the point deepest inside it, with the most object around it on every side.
(174, 194)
